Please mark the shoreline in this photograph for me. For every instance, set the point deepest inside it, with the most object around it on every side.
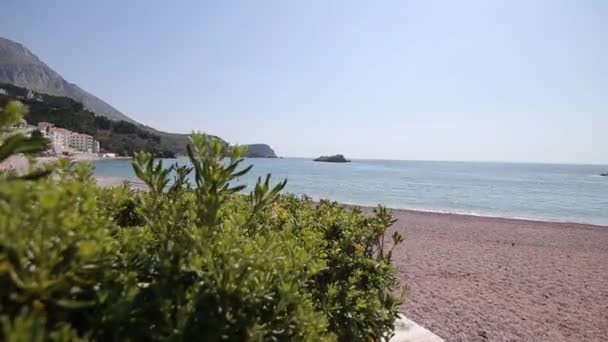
(501, 218)
(20, 163)
(485, 216)
(114, 181)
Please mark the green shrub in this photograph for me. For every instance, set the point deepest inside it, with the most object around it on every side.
(189, 261)
(31, 327)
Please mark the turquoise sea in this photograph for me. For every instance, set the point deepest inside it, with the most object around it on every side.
(553, 192)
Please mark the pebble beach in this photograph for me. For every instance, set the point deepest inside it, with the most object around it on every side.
(476, 278)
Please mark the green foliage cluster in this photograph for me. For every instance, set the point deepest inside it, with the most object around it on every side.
(13, 142)
(191, 258)
(120, 137)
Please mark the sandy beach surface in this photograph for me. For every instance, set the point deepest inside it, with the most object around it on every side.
(492, 279)
(20, 163)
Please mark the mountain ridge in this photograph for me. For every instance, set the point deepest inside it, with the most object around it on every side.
(22, 68)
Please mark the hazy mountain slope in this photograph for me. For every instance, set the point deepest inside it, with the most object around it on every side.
(19, 66)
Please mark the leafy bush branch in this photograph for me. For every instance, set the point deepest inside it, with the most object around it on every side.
(191, 258)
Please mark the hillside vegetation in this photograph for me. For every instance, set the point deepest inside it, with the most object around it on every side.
(121, 137)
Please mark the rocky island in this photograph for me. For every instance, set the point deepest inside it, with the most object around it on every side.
(605, 174)
(338, 158)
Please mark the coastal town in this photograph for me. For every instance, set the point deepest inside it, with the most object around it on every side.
(64, 142)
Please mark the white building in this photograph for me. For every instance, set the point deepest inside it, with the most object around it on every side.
(64, 140)
(84, 143)
(60, 139)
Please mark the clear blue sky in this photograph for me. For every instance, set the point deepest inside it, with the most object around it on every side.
(441, 80)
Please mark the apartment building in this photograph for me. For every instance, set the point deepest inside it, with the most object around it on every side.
(60, 139)
(82, 142)
(64, 140)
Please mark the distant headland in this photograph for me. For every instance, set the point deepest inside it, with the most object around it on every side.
(260, 151)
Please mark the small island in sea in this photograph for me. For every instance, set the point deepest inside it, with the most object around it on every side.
(338, 158)
(605, 174)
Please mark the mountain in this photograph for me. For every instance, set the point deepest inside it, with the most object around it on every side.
(19, 66)
(260, 151)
